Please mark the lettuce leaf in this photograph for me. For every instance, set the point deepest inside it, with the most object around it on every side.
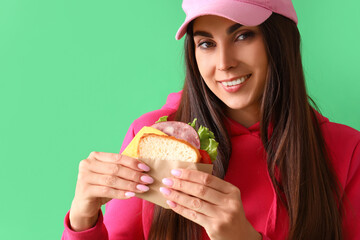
(193, 123)
(162, 119)
(207, 140)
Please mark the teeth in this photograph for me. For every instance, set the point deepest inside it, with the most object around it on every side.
(236, 82)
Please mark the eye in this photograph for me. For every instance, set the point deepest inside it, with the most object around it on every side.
(205, 45)
(245, 35)
(241, 37)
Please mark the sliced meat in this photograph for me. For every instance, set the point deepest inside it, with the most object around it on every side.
(179, 130)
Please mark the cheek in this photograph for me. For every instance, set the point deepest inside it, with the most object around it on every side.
(257, 58)
(262, 66)
(205, 65)
(261, 59)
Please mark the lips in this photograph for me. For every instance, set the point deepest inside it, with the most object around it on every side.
(235, 78)
(234, 84)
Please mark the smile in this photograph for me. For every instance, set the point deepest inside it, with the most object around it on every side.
(235, 85)
(236, 81)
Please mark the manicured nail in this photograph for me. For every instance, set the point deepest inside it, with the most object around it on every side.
(129, 194)
(147, 179)
(176, 172)
(171, 203)
(142, 188)
(144, 167)
(167, 181)
(165, 191)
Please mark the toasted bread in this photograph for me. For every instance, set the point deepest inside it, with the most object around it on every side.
(157, 147)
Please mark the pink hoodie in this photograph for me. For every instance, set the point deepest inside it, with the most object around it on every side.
(131, 218)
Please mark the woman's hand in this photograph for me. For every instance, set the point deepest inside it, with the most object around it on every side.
(103, 176)
(209, 201)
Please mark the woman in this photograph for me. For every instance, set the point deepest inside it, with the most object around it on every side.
(283, 170)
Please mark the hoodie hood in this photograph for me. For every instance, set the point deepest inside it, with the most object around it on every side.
(173, 100)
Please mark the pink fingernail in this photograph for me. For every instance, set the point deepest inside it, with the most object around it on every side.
(142, 188)
(144, 167)
(176, 172)
(129, 194)
(167, 181)
(171, 203)
(147, 179)
(165, 191)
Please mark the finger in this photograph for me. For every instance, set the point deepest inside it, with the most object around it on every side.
(189, 202)
(119, 159)
(192, 215)
(97, 191)
(118, 170)
(195, 189)
(115, 183)
(203, 179)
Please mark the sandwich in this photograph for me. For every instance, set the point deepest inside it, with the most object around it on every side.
(174, 141)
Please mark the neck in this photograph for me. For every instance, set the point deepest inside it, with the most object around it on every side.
(246, 117)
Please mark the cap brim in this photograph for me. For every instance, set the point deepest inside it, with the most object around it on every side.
(244, 13)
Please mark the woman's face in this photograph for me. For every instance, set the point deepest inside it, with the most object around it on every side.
(233, 62)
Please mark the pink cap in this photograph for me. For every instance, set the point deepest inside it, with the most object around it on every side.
(245, 12)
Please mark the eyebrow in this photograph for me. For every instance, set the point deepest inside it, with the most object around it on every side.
(230, 30)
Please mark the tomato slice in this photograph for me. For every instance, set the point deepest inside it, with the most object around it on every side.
(205, 158)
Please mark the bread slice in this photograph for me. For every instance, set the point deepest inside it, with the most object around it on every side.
(157, 147)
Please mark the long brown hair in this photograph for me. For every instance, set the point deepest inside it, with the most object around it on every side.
(297, 158)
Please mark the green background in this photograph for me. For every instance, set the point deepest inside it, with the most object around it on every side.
(75, 74)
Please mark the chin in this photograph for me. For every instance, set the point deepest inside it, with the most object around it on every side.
(235, 105)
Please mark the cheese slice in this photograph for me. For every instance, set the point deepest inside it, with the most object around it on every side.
(131, 149)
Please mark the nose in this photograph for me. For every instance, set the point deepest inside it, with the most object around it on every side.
(226, 59)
